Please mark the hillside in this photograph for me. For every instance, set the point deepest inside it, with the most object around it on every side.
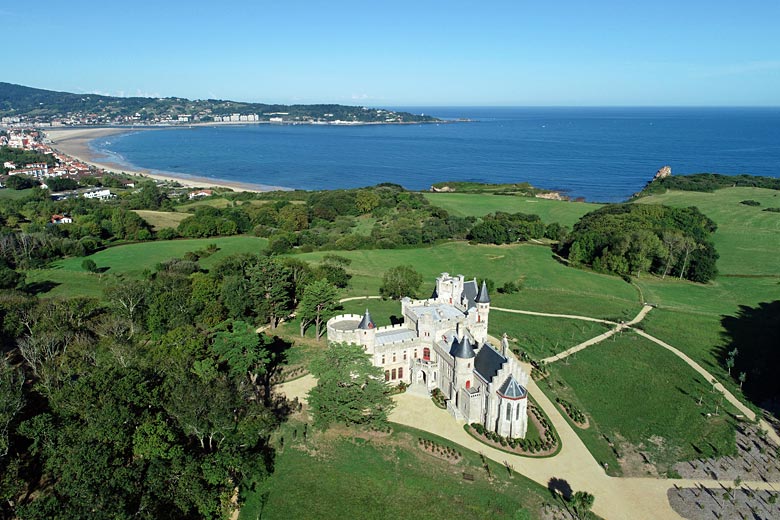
(38, 105)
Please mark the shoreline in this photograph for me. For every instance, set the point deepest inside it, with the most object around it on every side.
(74, 142)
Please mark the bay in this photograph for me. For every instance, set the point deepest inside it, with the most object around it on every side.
(600, 154)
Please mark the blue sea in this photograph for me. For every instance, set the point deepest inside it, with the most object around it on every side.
(601, 154)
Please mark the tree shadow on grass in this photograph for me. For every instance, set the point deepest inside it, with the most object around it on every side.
(755, 333)
(40, 287)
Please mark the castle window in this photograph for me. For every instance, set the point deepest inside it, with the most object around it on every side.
(393, 357)
(518, 412)
(393, 377)
(387, 375)
(468, 384)
(508, 412)
(404, 355)
(383, 359)
(401, 373)
(415, 354)
(426, 354)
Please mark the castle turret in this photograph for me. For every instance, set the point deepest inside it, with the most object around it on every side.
(482, 302)
(366, 333)
(512, 409)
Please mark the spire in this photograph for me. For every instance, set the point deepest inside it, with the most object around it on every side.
(366, 322)
(462, 348)
(483, 294)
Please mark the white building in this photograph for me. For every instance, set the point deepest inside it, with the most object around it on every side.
(443, 343)
(98, 194)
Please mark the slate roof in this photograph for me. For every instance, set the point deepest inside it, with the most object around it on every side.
(488, 362)
(469, 293)
(483, 294)
(389, 336)
(462, 348)
(511, 389)
(367, 322)
(438, 311)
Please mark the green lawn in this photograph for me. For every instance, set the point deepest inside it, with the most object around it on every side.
(161, 219)
(748, 238)
(7, 193)
(547, 284)
(131, 260)
(378, 477)
(479, 204)
(539, 336)
(644, 399)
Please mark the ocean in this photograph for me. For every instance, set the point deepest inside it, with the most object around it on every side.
(600, 154)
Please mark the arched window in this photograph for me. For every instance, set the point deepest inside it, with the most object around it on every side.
(426, 354)
(468, 384)
(393, 357)
(401, 373)
(508, 411)
(393, 374)
(383, 359)
(387, 375)
(517, 416)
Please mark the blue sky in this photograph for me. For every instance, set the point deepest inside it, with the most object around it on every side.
(423, 52)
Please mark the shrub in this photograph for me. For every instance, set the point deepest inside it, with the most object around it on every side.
(89, 265)
(750, 202)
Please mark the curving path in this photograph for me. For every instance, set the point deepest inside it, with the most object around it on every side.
(601, 337)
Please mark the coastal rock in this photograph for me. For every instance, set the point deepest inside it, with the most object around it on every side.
(443, 189)
(664, 172)
(550, 195)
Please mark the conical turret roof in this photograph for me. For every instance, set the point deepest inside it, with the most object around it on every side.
(366, 322)
(511, 389)
(483, 296)
(462, 348)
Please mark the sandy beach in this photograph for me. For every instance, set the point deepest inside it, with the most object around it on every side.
(75, 142)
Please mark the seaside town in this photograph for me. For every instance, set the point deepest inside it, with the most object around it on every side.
(40, 165)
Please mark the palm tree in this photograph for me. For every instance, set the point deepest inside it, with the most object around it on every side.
(742, 377)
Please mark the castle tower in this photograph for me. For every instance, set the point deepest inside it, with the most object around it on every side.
(462, 352)
(512, 419)
(480, 329)
(366, 333)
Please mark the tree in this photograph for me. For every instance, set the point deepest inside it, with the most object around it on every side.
(89, 265)
(350, 389)
(319, 303)
(583, 502)
(127, 299)
(742, 379)
(730, 364)
(270, 287)
(243, 350)
(11, 400)
(400, 281)
(366, 201)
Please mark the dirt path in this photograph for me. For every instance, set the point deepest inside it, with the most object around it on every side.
(601, 337)
(353, 298)
(551, 315)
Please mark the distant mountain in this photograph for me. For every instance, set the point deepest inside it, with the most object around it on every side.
(38, 105)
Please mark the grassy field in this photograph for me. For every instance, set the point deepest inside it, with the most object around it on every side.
(161, 219)
(342, 475)
(132, 260)
(477, 205)
(7, 193)
(539, 336)
(748, 238)
(644, 400)
(647, 398)
(547, 284)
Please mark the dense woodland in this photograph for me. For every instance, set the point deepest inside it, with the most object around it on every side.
(708, 182)
(155, 401)
(630, 239)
